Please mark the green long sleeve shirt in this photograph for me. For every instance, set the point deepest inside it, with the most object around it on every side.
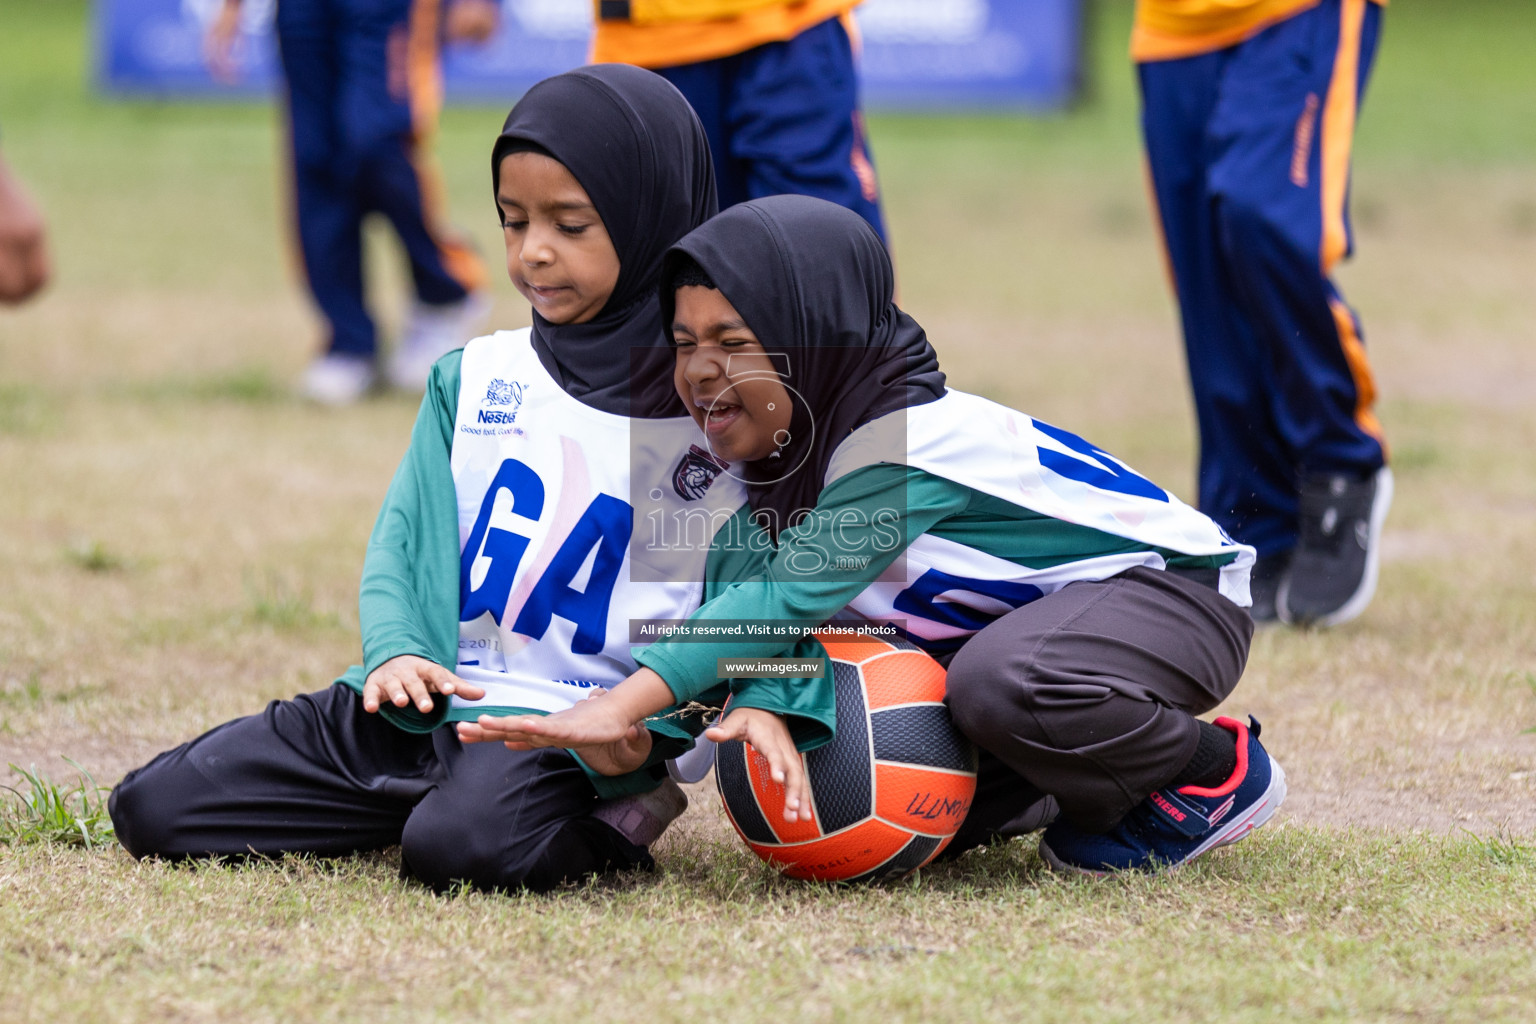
(408, 601)
(810, 578)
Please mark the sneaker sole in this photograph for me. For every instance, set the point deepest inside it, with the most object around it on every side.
(1361, 598)
(1234, 831)
(1055, 863)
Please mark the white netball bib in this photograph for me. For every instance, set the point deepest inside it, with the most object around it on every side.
(946, 591)
(568, 529)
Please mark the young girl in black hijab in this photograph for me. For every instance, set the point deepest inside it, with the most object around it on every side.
(499, 575)
(1089, 614)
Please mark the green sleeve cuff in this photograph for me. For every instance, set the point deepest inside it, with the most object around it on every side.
(609, 787)
(644, 779)
(809, 731)
(671, 736)
(808, 706)
(406, 719)
(675, 674)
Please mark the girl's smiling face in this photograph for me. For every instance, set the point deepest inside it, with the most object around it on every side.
(559, 255)
(726, 378)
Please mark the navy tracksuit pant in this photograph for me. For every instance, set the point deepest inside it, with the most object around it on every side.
(362, 93)
(1249, 151)
(319, 775)
(783, 118)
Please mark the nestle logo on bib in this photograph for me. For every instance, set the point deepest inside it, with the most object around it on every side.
(501, 393)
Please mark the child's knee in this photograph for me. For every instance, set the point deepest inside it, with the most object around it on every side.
(980, 694)
(144, 825)
(443, 853)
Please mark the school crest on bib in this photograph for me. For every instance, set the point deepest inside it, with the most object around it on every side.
(695, 471)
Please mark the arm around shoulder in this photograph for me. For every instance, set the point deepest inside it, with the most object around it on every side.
(861, 524)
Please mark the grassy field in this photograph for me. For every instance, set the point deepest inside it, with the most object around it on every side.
(180, 541)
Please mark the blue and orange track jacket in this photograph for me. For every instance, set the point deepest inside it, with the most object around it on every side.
(1169, 29)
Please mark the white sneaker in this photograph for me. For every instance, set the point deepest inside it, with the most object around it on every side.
(431, 332)
(337, 379)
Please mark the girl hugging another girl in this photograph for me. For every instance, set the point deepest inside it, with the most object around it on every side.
(1086, 615)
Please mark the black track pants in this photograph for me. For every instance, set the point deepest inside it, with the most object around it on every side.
(319, 775)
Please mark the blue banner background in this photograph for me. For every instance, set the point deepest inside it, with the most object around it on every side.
(918, 54)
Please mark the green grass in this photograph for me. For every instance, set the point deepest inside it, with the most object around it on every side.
(274, 602)
(61, 814)
(23, 411)
(1338, 927)
(255, 384)
(94, 556)
(180, 542)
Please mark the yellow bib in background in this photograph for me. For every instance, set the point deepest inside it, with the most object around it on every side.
(656, 12)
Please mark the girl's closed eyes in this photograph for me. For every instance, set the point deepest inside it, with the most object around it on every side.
(726, 379)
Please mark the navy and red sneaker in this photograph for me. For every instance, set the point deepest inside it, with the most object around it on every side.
(1173, 826)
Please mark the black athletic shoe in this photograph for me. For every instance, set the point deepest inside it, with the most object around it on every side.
(1333, 572)
(1264, 585)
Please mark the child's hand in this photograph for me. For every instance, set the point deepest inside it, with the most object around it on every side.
(23, 241)
(616, 757)
(408, 678)
(615, 717)
(595, 722)
(621, 756)
(770, 737)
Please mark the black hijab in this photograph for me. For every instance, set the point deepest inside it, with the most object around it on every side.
(633, 143)
(814, 283)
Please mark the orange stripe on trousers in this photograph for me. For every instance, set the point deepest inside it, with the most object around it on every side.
(425, 90)
(1359, 369)
(1339, 131)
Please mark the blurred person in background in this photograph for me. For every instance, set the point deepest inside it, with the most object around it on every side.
(1249, 113)
(363, 92)
(24, 266)
(774, 82)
